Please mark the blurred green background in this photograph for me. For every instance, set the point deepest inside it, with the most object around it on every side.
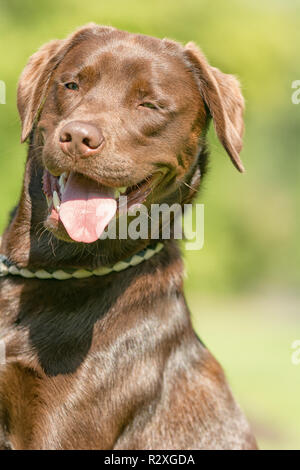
(243, 286)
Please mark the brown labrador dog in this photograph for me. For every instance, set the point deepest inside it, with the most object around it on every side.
(111, 361)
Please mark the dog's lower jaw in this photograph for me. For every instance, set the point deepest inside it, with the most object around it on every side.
(29, 243)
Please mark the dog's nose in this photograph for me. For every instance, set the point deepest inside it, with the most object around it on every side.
(80, 138)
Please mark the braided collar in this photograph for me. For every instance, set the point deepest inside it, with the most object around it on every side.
(7, 268)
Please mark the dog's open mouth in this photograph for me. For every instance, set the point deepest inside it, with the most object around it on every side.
(84, 206)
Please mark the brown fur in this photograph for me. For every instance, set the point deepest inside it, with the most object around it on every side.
(113, 362)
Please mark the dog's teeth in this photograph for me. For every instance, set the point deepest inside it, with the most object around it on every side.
(49, 200)
(62, 181)
(56, 201)
(123, 189)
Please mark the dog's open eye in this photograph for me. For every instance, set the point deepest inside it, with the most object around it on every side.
(149, 105)
(71, 86)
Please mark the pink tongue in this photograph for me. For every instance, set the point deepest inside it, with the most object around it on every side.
(86, 208)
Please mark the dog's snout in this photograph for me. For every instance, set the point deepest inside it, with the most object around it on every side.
(80, 138)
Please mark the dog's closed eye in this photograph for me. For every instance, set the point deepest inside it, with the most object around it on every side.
(149, 105)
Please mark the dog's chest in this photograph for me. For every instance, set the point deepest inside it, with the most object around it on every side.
(17, 404)
(17, 378)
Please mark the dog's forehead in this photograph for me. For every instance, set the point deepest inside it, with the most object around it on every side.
(130, 57)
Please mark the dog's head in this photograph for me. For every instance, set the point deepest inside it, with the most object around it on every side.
(113, 113)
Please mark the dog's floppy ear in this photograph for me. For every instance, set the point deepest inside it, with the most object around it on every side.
(223, 98)
(35, 78)
(34, 81)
